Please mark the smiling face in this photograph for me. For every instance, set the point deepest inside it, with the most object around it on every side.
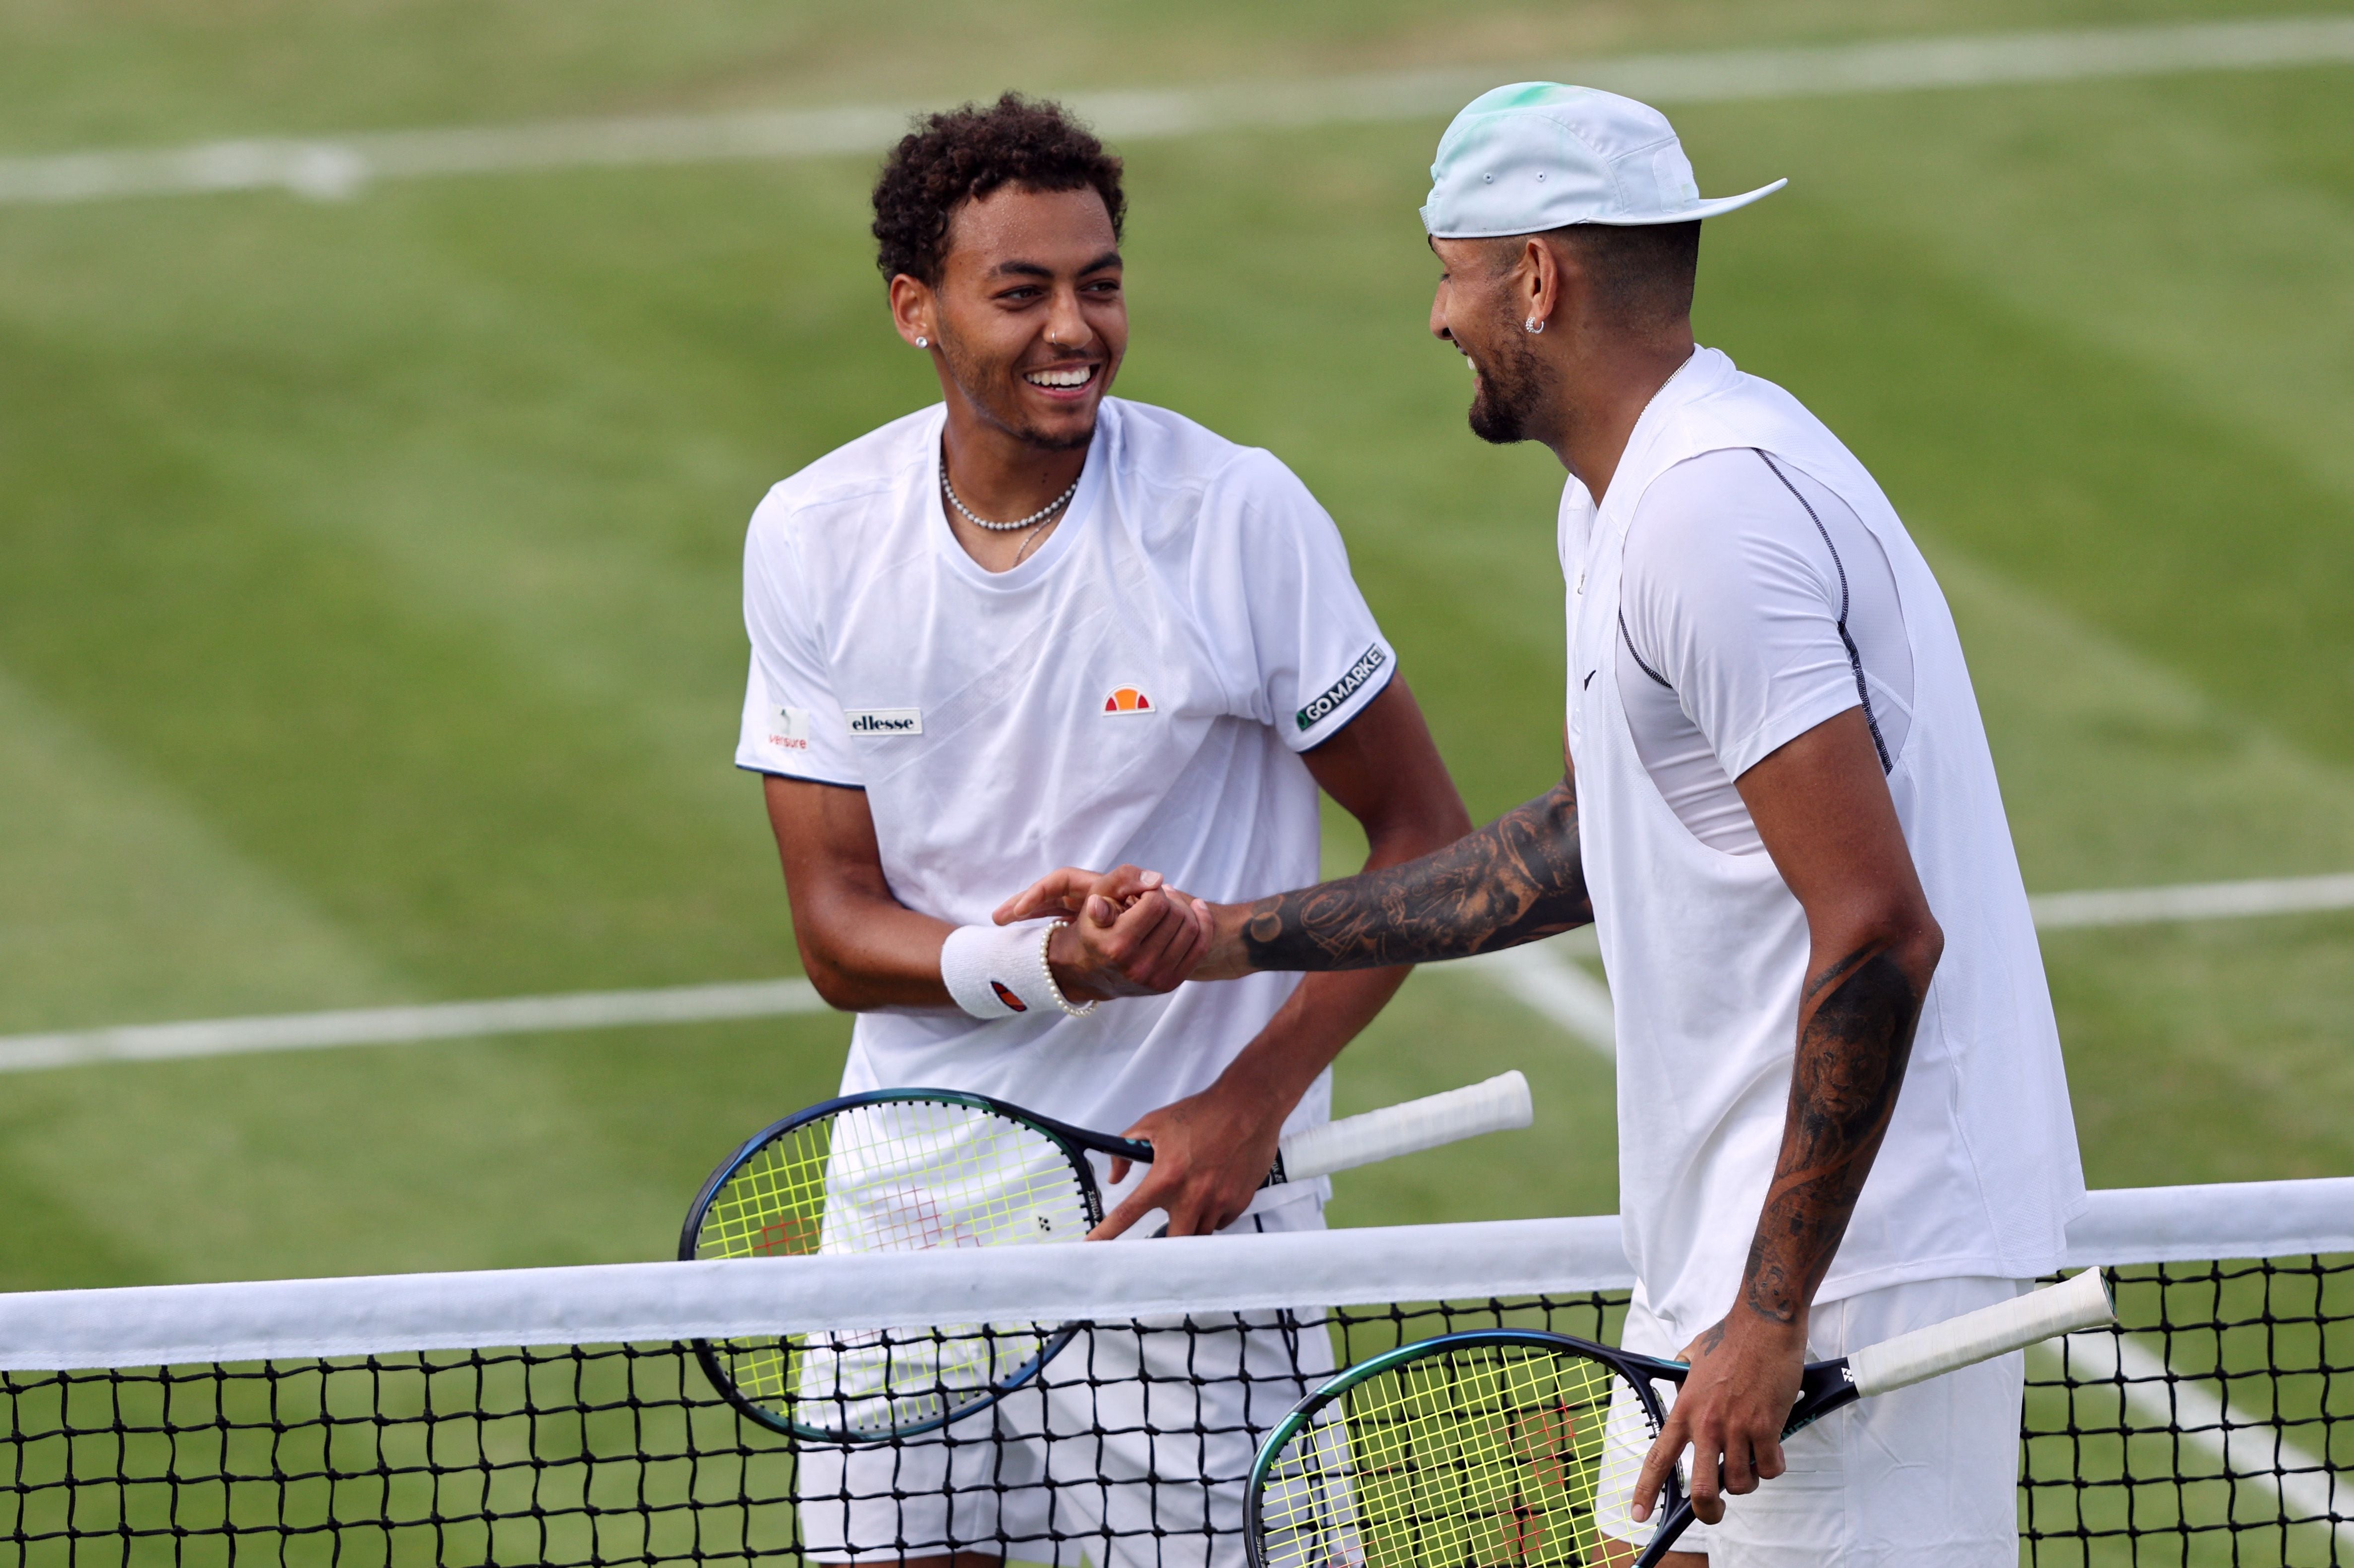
(1477, 309)
(1028, 315)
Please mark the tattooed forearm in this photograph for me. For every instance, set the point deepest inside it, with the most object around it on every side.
(1851, 1055)
(1515, 880)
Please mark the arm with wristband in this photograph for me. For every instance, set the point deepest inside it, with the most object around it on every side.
(865, 951)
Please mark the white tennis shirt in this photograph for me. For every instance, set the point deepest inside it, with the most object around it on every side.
(1138, 691)
(1755, 605)
(1697, 561)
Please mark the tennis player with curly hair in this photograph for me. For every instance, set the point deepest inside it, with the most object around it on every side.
(1032, 625)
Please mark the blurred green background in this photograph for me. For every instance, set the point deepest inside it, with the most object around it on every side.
(368, 600)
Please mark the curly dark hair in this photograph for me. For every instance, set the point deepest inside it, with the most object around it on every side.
(965, 154)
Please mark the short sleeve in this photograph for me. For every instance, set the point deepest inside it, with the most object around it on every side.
(1294, 642)
(1731, 596)
(793, 725)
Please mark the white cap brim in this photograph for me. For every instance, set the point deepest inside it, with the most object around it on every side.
(1722, 203)
(1691, 214)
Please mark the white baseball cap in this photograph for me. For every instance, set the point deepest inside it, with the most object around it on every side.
(1538, 155)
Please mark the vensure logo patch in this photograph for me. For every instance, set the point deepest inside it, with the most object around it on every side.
(886, 721)
(1329, 701)
(788, 728)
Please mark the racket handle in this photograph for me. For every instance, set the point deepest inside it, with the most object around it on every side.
(1499, 1103)
(1980, 1336)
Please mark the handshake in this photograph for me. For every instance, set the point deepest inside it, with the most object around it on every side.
(1129, 933)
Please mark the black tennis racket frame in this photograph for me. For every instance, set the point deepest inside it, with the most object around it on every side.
(1071, 1140)
(1823, 1387)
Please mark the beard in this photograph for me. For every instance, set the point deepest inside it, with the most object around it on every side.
(985, 391)
(1512, 387)
(1045, 441)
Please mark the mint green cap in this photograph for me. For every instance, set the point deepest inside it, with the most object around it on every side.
(1539, 155)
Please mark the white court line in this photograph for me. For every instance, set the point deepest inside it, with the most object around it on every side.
(340, 166)
(1545, 976)
(2193, 901)
(2252, 1452)
(392, 1025)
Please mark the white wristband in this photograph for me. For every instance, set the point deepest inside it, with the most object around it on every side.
(995, 971)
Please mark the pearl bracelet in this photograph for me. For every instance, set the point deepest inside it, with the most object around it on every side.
(1047, 968)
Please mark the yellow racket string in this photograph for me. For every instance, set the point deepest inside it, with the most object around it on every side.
(1479, 1456)
(899, 1176)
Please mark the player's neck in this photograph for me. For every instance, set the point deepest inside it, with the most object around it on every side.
(1604, 385)
(1001, 477)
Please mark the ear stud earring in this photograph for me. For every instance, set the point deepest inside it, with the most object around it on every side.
(923, 343)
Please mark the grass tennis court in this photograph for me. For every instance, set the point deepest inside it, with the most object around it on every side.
(369, 625)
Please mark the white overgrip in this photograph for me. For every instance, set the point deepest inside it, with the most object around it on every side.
(1980, 1336)
(1501, 1103)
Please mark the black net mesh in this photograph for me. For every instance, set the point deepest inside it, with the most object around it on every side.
(2208, 1434)
(2218, 1430)
(625, 1453)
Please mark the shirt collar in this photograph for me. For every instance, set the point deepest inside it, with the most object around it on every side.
(1706, 372)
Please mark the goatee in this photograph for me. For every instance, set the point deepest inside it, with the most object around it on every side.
(1512, 384)
(1030, 436)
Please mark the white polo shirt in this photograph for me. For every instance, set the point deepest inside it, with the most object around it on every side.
(1698, 560)
(1138, 691)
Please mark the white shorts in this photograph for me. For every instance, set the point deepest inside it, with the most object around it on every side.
(1132, 1449)
(1925, 1477)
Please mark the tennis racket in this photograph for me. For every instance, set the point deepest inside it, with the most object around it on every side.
(910, 1170)
(1490, 1448)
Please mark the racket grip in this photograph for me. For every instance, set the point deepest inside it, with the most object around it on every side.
(1499, 1103)
(1980, 1336)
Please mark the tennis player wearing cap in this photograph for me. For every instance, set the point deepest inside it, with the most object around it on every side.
(1781, 815)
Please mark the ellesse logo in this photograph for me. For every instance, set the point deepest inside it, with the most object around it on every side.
(1128, 700)
(1005, 994)
(886, 721)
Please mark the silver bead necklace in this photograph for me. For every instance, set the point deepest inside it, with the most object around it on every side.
(1030, 522)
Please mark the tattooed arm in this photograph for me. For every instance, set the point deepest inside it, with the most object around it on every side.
(1822, 808)
(1515, 880)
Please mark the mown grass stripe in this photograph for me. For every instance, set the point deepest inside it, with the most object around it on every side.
(329, 168)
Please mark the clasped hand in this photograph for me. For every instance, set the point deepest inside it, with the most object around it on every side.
(1130, 934)
(1133, 935)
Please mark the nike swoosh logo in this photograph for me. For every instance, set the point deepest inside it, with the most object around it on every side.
(1590, 679)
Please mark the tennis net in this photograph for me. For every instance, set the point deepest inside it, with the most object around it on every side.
(561, 1416)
